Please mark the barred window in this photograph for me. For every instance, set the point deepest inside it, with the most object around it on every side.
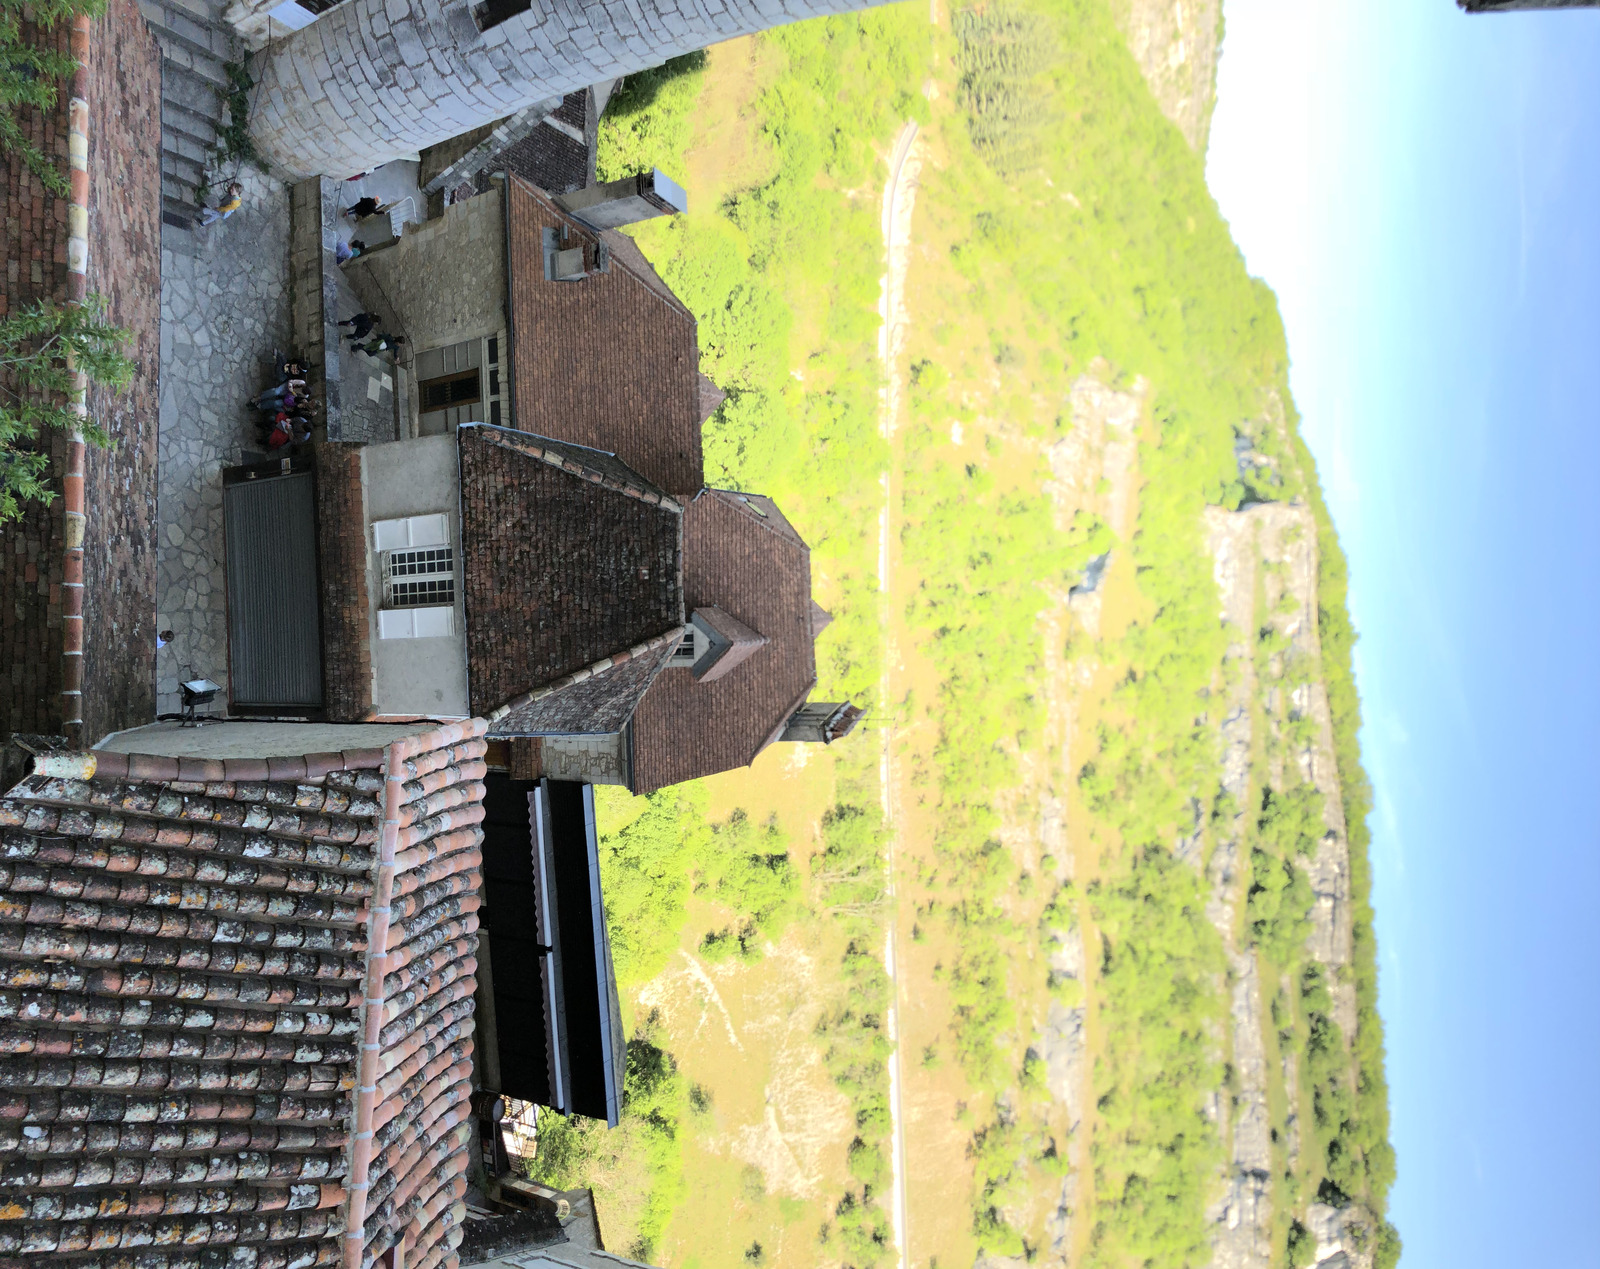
(438, 559)
(424, 593)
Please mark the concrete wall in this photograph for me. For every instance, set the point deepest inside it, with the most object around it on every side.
(415, 676)
(445, 279)
(375, 80)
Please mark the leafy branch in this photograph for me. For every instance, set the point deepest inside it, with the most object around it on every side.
(30, 76)
(42, 349)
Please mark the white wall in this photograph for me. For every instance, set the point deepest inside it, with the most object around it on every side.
(415, 676)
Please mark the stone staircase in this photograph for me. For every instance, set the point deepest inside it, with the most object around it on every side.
(194, 45)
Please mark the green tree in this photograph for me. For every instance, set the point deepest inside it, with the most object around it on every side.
(40, 349)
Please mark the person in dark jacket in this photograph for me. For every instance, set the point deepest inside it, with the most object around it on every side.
(367, 206)
(360, 326)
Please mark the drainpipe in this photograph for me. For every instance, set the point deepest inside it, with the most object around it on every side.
(73, 520)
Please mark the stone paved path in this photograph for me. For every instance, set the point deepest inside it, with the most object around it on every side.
(224, 308)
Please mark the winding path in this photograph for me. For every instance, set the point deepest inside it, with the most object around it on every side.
(898, 199)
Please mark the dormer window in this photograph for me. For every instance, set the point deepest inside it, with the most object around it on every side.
(418, 570)
(694, 645)
(714, 644)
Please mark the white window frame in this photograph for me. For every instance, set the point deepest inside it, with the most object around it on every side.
(401, 536)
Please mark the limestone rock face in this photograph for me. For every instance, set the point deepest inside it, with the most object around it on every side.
(1175, 44)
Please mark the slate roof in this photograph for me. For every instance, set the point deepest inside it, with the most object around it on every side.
(742, 556)
(596, 705)
(547, 157)
(568, 558)
(611, 361)
(189, 1077)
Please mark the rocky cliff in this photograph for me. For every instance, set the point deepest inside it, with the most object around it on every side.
(1176, 43)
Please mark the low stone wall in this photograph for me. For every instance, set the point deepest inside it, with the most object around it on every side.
(342, 569)
(313, 207)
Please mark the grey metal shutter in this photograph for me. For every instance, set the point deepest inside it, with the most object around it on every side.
(274, 634)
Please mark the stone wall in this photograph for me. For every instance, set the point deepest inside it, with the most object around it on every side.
(313, 208)
(589, 759)
(445, 280)
(375, 80)
(119, 630)
(118, 571)
(342, 577)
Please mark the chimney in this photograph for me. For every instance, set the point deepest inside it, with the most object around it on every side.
(567, 258)
(822, 722)
(625, 202)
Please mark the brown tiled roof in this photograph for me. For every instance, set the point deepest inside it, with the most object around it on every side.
(711, 397)
(600, 702)
(342, 579)
(190, 1076)
(568, 558)
(610, 362)
(756, 568)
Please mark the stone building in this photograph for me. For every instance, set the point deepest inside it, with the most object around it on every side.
(541, 549)
(373, 80)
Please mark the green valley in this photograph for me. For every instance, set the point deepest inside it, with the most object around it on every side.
(1108, 801)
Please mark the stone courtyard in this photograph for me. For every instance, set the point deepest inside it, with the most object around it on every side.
(224, 309)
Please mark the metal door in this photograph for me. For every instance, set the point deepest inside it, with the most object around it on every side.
(274, 631)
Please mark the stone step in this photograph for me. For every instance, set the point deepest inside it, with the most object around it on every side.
(194, 93)
(186, 136)
(183, 146)
(184, 122)
(175, 53)
(186, 171)
(179, 190)
(199, 37)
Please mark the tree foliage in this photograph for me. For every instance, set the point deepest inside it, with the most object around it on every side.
(41, 349)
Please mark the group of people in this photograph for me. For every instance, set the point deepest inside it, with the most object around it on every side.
(366, 337)
(285, 409)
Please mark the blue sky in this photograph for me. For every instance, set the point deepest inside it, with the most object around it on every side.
(1422, 190)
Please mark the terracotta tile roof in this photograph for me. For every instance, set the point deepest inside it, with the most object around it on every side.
(742, 556)
(201, 1063)
(568, 558)
(612, 361)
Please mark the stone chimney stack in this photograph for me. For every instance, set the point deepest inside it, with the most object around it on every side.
(625, 202)
(375, 80)
(822, 722)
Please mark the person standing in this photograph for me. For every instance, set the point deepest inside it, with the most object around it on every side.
(367, 206)
(360, 326)
(224, 209)
(381, 343)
